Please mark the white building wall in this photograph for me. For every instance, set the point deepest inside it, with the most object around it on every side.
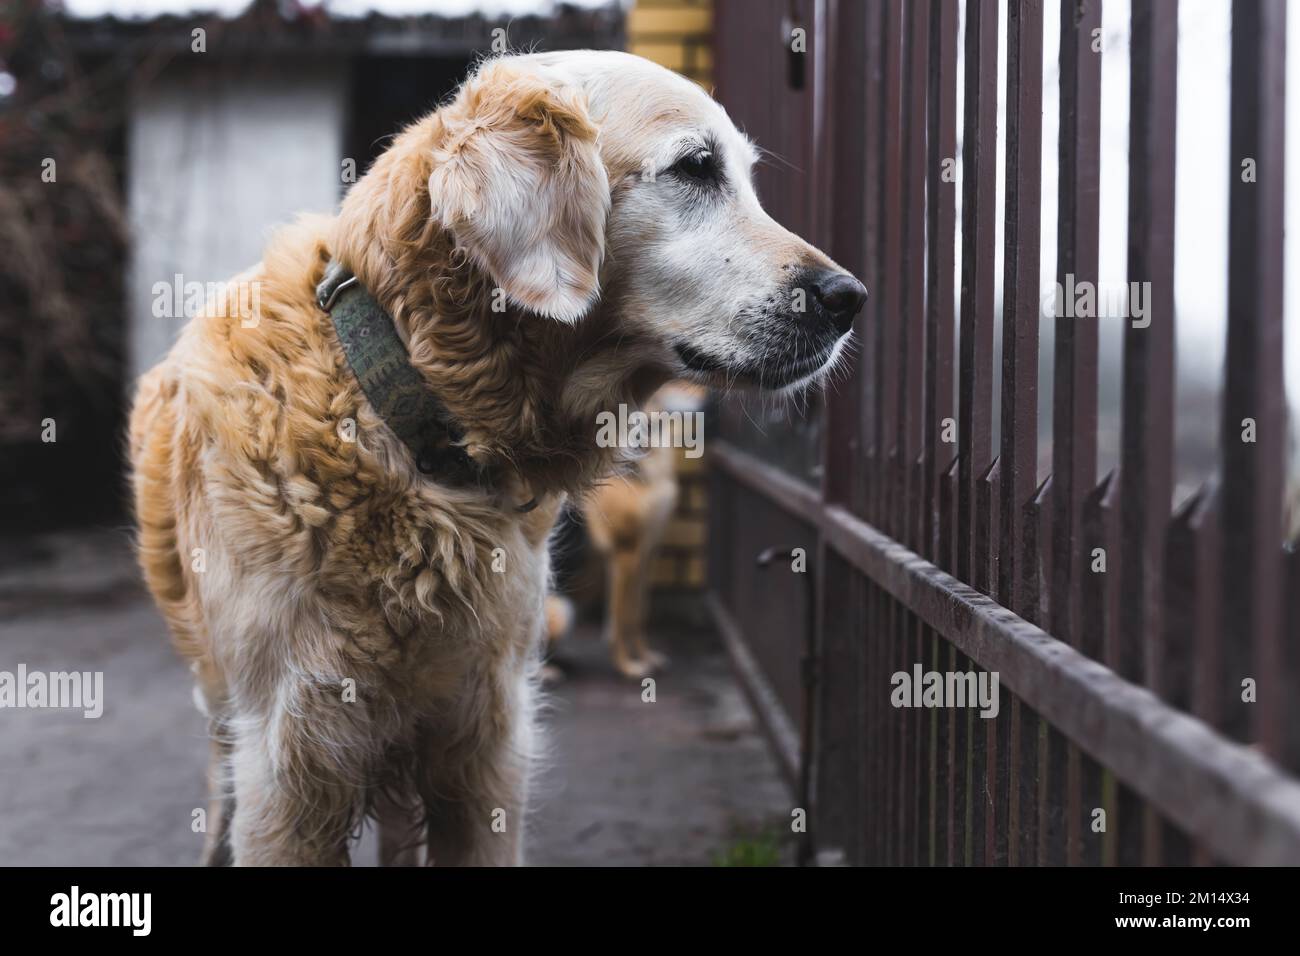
(216, 159)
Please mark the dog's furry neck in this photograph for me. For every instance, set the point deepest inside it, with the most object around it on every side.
(525, 389)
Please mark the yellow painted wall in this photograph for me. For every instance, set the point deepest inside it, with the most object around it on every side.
(674, 33)
(678, 34)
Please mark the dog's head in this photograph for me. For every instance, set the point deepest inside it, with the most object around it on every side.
(587, 181)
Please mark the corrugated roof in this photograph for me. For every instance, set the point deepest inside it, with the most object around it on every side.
(433, 27)
(153, 9)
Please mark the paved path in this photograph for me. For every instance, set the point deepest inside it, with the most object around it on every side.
(678, 781)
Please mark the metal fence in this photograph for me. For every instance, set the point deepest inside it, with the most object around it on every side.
(1127, 730)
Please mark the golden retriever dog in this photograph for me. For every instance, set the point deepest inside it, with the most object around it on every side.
(565, 234)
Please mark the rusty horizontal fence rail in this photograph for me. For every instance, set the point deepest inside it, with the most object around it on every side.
(1245, 807)
(777, 726)
(1129, 637)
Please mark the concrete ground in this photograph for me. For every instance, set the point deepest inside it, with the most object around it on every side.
(684, 780)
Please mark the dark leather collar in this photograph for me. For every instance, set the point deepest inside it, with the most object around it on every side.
(396, 391)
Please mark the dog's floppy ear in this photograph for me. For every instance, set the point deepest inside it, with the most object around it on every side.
(518, 182)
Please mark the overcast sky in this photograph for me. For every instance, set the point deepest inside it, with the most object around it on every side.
(450, 8)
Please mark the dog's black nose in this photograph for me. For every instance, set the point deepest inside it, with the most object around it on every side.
(841, 295)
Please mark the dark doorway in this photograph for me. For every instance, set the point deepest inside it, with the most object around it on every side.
(388, 92)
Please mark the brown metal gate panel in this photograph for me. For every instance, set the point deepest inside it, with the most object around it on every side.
(1121, 631)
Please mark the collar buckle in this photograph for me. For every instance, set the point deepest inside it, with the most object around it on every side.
(328, 292)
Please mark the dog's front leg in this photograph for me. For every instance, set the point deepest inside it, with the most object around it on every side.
(400, 824)
(480, 827)
(477, 791)
(221, 807)
(298, 787)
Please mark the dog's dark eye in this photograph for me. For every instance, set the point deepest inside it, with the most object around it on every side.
(697, 167)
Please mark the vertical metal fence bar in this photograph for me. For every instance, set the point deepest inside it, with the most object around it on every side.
(873, 681)
(840, 154)
(941, 213)
(886, 260)
(912, 384)
(979, 180)
(1184, 596)
(888, 735)
(1020, 812)
(942, 118)
(1146, 458)
(946, 746)
(877, 709)
(1001, 770)
(1207, 636)
(1018, 467)
(1205, 591)
(979, 216)
(937, 747)
(1019, 434)
(873, 173)
(1253, 390)
(1098, 625)
(861, 672)
(842, 151)
(1049, 753)
(1146, 454)
(1291, 666)
(898, 740)
(1095, 524)
(988, 505)
(920, 638)
(1185, 623)
(1074, 393)
(891, 289)
(982, 740)
(837, 142)
(920, 719)
(861, 25)
(956, 805)
(996, 827)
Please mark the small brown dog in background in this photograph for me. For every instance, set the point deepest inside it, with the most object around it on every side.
(626, 517)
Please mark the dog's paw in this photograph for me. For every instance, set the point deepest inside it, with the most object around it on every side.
(551, 675)
(655, 660)
(640, 667)
(633, 669)
(559, 617)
